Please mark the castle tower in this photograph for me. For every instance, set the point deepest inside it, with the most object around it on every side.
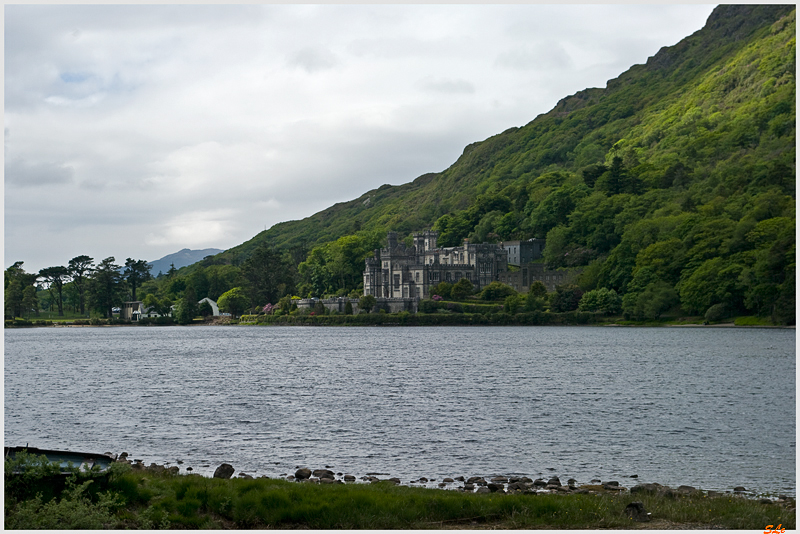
(430, 239)
(372, 276)
(419, 242)
(392, 238)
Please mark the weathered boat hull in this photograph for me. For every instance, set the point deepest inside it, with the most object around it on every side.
(83, 460)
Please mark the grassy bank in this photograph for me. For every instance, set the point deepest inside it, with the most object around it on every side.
(94, 321)
(158, 499)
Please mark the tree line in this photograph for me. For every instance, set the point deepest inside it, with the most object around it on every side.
(86, 287)
(80, 285)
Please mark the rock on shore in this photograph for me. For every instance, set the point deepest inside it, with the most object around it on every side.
(224, 471)
(500, 484)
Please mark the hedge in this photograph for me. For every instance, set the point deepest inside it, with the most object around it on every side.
(432, 319)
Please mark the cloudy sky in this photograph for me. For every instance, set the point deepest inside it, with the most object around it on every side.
(136, 131)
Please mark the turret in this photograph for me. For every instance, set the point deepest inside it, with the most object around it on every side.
(419, 242)
(372, 275)
(392, 238)
(430, 239)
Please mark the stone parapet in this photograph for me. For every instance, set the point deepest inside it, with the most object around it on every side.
(391, 305)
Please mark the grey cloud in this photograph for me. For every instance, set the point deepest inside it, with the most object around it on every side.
(398, 47)
(542, 56)
(448, 86)
(79, 219)
(365, 156)
(28, 174)
(93, 185)
(76, 20)
(314, 59)
(71, 52)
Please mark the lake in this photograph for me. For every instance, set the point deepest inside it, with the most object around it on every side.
(712, 408)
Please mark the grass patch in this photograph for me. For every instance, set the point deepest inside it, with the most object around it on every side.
(752, 320)
(680, 321)
(195, 502)
(145, 499)
(148, 500)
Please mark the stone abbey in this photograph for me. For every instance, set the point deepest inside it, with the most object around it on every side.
(401, 272)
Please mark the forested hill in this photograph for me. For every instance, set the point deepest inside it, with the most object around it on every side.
(679, 175)
(706, 86)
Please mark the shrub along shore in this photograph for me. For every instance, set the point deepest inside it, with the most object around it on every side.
(427, 319)
(134, 496)
(407, 319)
(364, 319)
(432, 312)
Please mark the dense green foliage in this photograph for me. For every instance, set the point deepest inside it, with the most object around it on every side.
(439, 314)
(148, 500)
(336, 268)
(69, 289)
(106, 289)
(136, 272)
(366, 303)
(38, 496)
(55, 278)
(234, 301)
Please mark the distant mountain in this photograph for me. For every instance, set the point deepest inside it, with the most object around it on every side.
(180, 259)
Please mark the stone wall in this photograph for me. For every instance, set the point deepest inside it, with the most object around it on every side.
(528, 273)
(391, 305)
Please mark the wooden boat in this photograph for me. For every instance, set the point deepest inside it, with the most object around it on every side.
(84, 460)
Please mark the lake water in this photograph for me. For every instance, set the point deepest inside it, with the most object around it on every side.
(708, 407)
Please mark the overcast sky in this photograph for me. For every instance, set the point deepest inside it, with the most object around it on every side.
(136, 131)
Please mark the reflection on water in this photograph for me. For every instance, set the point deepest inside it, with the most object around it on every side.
(712, 408)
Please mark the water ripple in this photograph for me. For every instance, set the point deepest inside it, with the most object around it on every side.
(671, 405)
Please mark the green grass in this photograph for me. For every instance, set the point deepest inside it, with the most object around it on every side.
(53, 316)
(202, 502)
(753, 320)
(141, 499)
(663, 321)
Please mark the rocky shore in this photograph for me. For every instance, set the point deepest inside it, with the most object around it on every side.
(499, 484)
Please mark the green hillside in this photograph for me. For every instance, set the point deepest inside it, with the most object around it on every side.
(718, 74)
(676, 181)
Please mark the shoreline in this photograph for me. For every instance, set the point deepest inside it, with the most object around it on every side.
(389, 321)
(499, 483)
(139, 497)
(610, 325)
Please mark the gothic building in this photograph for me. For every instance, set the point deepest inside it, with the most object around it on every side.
(398, 271)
